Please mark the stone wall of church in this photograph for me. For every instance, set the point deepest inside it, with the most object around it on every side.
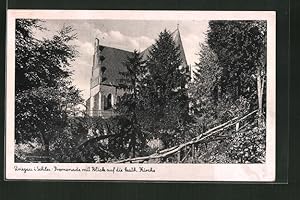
(103, 99)
(113, 91)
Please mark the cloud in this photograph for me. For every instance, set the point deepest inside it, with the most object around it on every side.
(84, 48)
(116, 36)
(118, 40)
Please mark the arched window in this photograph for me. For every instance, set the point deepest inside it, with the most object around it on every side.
(108, 102)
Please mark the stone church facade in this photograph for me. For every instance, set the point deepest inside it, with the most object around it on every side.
(105, 79)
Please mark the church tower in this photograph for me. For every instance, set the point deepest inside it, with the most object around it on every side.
(94, 104)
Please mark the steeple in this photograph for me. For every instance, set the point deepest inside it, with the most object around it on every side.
(178, 42)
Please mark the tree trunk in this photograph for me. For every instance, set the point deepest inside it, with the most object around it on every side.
(133, 145)
(260, 87)
(47, 152)
(178, 156)
(46, 147)
(193, 152)
(134, 134)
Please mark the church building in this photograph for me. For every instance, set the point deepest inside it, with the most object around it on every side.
(107, 65)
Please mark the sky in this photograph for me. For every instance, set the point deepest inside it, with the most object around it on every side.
(123, 34)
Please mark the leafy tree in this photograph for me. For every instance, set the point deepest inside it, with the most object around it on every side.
(45, 96)
(42, 62)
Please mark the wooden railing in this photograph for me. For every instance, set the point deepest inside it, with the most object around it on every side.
(210, 135)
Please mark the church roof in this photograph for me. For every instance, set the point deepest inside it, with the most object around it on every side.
(178, 42)
(114, 59)
(113, 63)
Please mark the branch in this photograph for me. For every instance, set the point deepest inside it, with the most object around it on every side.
(186, 155)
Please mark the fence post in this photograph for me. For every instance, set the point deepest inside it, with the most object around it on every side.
(193, 152)
(178, 156)
(237, 126)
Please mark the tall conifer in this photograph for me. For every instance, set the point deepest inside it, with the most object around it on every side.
(165, 92)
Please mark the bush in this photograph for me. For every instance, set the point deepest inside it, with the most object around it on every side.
(248, 145)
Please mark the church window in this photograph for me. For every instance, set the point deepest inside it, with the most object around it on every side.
(108, 103)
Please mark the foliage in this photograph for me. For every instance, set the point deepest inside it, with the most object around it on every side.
(64, 148)
(155, 105)
(132, 138)
(204, 89)
(165, 97)
(225, 86)
(28, 152)
(45, 97)
(155, 111)
(248, 145)
(240, 48)
(42, 62)
(213, 153)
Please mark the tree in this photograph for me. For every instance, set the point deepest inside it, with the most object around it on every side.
(45, 96)
(164, 90)
(42, 62)
(229, 82)
(230, 78)
(204, 90)
(241, 50)
(155, 104)
(240, 47)
(130, 104)
(261, 27)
